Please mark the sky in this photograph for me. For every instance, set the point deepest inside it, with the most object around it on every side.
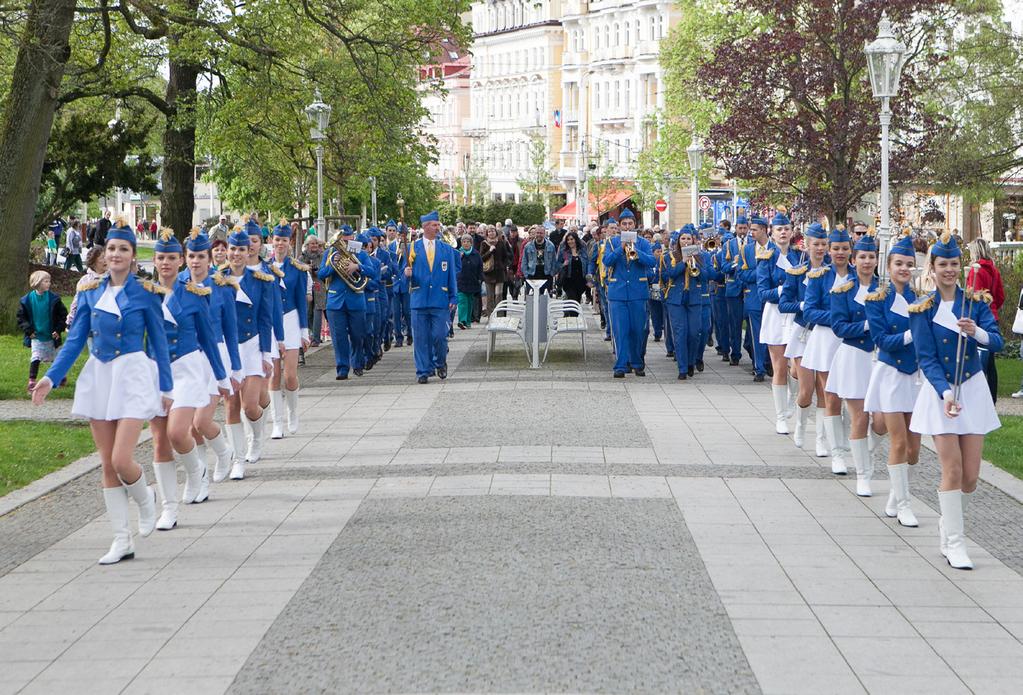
(1014, 13)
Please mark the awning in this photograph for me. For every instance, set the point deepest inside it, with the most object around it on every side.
(610, 201)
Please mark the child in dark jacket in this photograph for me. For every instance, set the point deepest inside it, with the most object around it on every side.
(42, 317)
(470, 280)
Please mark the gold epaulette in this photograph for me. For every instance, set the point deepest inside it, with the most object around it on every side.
(155, 288)
(223, 280)
(223, 267)
(275, 270)
(260, 275)
(765, 255)
(844, 287)
(819, 273)
(300, 265)
(91, 284)
(200, 290)
(922, 304)
(982, 296)
(798, 270)
(878, 295)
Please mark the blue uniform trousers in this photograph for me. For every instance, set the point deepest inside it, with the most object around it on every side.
(368, 347)
(348, 334)
(678, 333)
(705, 328)
(605, 310)
(384, 334)
(402, 313)
(628, 322)
(759, 349)
(697, 328)
(735, 316)
(430, 327)
(669, 338)
(719, 316)
(657, 317)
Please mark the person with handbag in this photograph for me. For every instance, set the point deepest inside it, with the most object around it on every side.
(496, 253)
(572, 268)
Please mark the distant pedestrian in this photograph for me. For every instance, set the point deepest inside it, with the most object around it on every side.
(220, 230)
(495, 253)
(73, 247)
(312, 256)
(470, 280)
(986, 277)
(99, 236)
(41, 317)
(95, 266)
(51, 249)
(572, 268)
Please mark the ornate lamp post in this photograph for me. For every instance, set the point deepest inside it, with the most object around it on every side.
(401, 209)
(695, 152)
(318, 114)
(885, 58)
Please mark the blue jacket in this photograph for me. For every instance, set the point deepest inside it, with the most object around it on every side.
(849, 317)
(398, 262)
(387, 270)
(255, 317)
(746, 276)
(113, 335)
(628, 280)
(191, 328)
(731, 262)
(277, 300)
(437, 287)
(528, 263)
(674, 276)
(223, 315)
(817, 300)
(793, 294)
(371, 269)
(770, 275)
(293, 294)
(890, 330)
(339, 294)
(936, 343)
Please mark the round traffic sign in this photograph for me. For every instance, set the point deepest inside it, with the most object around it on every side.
(660, 206)
(704, 203)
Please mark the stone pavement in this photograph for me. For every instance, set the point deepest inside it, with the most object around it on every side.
(512, 530)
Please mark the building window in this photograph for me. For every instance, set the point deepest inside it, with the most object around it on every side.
(660, 27)
(653, 28)
(617, 35)
(607, 35)
(628, 93)
(617, 98)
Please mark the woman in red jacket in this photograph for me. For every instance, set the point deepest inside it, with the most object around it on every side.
(984, 275)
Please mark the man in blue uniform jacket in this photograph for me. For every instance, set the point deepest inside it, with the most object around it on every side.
(433, 287)
(346, 312)
(628, 288)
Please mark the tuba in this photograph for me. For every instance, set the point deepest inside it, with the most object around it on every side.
(339, 257)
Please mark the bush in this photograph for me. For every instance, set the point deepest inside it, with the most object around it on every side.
(528, 213)
(496, 212)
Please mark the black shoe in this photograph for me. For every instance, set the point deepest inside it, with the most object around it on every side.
(657, 338)
(462, 326)
(724, 357)
(758, 378)
(442, 372)
(690, 371)
(607, 339)
(301, 359)
(358, 372)
(603, 323)
(619, 375)
(682, 377)
(699, 366)
(341, 377)
(640, 372)
(670, 355)
(387, 346)
(710, 342)
(451, 334)
(314, 343)
(398, 345)
(769, 369)
(369, 366)
(410, 341)
(734, 362)
(422, 380)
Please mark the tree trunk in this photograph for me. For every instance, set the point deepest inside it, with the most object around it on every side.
(177, 200)
(24, 134)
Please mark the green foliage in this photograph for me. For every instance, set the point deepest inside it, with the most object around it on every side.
(528, 213)
(14, 370)
(602, 181)
(1002, 448)
(537, 181)
(30, 450)
(494, 212)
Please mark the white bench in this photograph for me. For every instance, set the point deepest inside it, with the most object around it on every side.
(509, 316)
(557, 322)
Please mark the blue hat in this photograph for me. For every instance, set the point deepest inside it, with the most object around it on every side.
(838, 235)
(626, 215)
(946, 247)
(375, 232)
(283, 230)
(816, 231)
(780, 219)
(346, 230)
(123, 232)
(903, 247)
(688, 229)
(741, 219)
(866, 243)
(391, 223)
(611, 220)
(758, 220)
(197, 241)
(675, 235)
(363, 238)
(430, 217)
(239, 238)
(252, 228)
(167, 243)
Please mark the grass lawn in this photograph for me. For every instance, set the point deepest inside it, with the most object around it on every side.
(1010, 370)
(30, 450)
(1002, 447)
(14, 371)
(144, 253)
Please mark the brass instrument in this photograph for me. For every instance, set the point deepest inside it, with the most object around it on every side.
(711, 245)
(339, 257)
(629, 248)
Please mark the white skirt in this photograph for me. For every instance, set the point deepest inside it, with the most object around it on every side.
(192, 376)
(774, 326)
(820, 349)
(252, 358)
(225, 359)
(850, 373)
(978, 415)
(292, 331)
(125, 387)
(797, 341)
(891, 391)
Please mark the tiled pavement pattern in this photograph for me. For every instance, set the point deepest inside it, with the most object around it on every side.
(643, 536)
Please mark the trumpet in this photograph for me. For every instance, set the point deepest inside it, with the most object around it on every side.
(711, 244)
(629, 248)
(694, 269)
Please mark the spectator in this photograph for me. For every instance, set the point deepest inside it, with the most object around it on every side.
(219, 251)
(73, 247)
(142, 229)
(513, 275)
(99, 237)
(312, 255)
(153, 229)
(987, 277)
(470, 279)
(51, 249)
(220, 230)
(572, 267)
(42, 317)
(495, 252)
(538, 259)
(557, 235)
(95, 266)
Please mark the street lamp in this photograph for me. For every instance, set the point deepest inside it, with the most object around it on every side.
(695, 152)
(885, 58)
(401, 209)
(318, 114)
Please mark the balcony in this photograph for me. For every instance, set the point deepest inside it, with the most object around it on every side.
(474, 127)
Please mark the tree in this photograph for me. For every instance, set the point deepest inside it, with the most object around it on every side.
(537, 181)
(478, 183)
(602, 181)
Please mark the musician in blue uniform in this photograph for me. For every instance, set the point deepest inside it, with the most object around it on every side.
(793, 297)
(401, 309)
(346, 306)
(678, 278)
(954, 405)
(733, 252)
(120, 387)
(195, 361)
(894, 380)
(596, 271)
(371, 268)
(388, 270)
(255, 290)
(629, 265)
(434, 288)
(746, 276)
(294, 283)
(850, 370)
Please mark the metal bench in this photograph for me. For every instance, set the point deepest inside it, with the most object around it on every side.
(557, 322)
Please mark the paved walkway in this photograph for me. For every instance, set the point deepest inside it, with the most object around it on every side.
(512, 530)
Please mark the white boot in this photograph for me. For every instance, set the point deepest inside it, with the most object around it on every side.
(821, 437)
(236, 432)
(255, 451)
(291, 404)
(145, 498)
(802, 415)
(277, 414)
(116, 499)
(781, 394)
(194, 469)
(951, 502)
(899, 475)
(832, 425)
(166, 474)
(790, 404)
(864, 466)
(222, 448)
